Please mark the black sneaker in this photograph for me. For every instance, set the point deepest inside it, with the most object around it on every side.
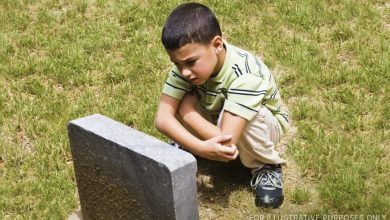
(267, 182)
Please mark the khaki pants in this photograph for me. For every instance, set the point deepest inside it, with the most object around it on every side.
(258, 140)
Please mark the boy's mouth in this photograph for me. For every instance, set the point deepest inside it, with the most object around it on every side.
(194, 80)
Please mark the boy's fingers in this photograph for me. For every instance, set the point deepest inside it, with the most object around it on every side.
(228, 150)
(234, 155)
(222, 138)
(236, 152)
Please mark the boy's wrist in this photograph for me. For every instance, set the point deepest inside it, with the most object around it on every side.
(199, 148)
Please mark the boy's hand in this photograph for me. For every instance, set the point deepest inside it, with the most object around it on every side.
(213, 149)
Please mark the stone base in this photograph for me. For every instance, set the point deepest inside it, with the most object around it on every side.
(76, 216)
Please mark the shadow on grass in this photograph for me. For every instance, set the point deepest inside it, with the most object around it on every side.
(217, 180)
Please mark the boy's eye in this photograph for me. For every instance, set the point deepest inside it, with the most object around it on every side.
(190, 62)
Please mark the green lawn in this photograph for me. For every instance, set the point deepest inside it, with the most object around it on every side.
(61, 60)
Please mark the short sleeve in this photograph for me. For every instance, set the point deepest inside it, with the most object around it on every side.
(245, 95)
(176, 85)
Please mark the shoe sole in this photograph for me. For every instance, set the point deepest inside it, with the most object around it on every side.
(277, 202)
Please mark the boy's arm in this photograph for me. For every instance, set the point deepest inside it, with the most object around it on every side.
(167, 123)
(203, 128)
(231, 124)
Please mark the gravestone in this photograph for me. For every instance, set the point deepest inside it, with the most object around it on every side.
(122, 173)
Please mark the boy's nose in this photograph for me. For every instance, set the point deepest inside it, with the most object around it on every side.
(186, 73)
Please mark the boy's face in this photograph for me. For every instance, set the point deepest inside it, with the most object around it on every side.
(197, 62)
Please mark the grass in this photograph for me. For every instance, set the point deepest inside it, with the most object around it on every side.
(61, 60)
(300, 195)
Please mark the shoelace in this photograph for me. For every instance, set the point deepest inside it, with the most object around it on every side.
(267, 177)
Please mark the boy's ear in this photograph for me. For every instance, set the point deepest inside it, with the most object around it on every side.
(217, 43)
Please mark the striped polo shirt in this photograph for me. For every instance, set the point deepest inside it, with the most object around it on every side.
(241, 87)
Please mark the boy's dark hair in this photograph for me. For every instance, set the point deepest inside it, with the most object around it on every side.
(189, 23)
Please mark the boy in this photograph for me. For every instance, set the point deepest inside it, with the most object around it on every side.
(220, 101)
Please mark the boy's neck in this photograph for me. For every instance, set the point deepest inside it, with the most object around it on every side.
(221, 60)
